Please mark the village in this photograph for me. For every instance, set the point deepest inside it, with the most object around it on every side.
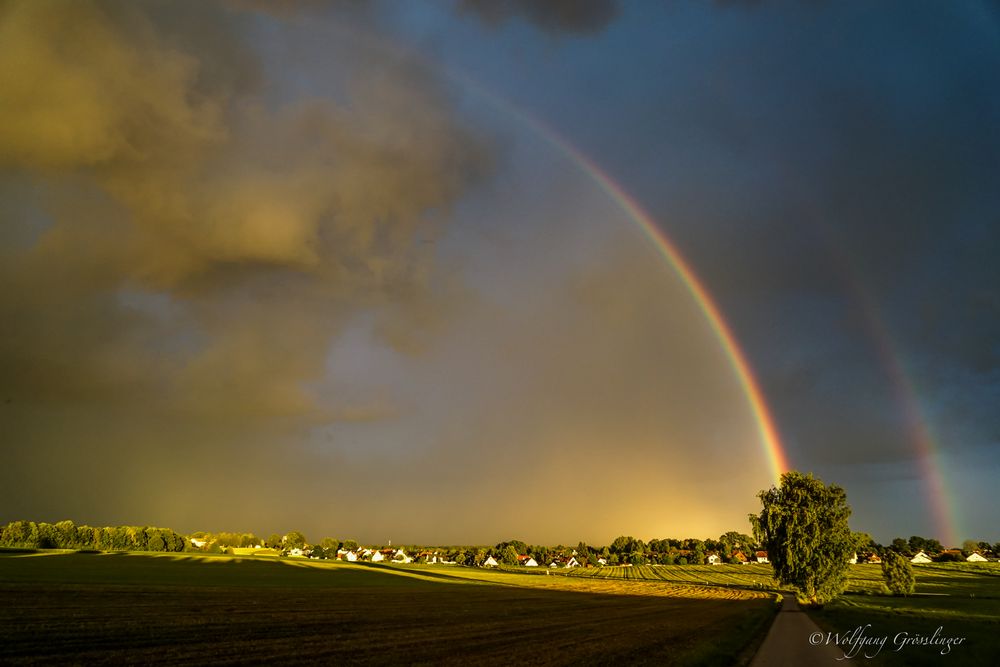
(947, 555)
(731, 548)
(525, 560)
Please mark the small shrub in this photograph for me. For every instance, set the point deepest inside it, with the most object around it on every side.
(898, 574)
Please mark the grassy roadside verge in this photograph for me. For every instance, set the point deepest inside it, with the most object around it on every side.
(915, 630)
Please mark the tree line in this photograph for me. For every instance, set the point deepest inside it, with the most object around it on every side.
(67, 535)
(932, 547)
(629, 550)
(624, 550)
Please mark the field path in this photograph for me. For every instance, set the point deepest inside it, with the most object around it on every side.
(788, 641)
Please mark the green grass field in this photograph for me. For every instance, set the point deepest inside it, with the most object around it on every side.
(138, 608)
(963, 599)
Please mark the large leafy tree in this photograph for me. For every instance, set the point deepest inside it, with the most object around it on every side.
(627, 548)
(968, 546)
(294, 540)
(697, 555)
(901, 546)
(917, 543)
(864, 543)
(732, 541)
(803, 525)
(508, 556)
(518, 546)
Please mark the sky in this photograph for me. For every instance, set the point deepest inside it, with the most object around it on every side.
(392, 271)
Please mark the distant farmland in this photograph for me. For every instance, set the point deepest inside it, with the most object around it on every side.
(182, 608)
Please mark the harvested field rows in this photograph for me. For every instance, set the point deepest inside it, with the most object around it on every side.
(752, 577)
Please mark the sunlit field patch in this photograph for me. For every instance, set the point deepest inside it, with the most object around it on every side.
(589, 580)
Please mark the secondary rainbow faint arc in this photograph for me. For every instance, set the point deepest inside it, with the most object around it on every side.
(942, 510)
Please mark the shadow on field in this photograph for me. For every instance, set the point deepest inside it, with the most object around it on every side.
(143, 608)
(168, 570)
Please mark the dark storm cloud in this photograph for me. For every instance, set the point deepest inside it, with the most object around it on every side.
(187, 240)
(853, 246)
(181, 243)
(554, 16)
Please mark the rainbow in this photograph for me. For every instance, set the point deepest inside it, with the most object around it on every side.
(766, 428)
(942, 513)
(768, 432)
